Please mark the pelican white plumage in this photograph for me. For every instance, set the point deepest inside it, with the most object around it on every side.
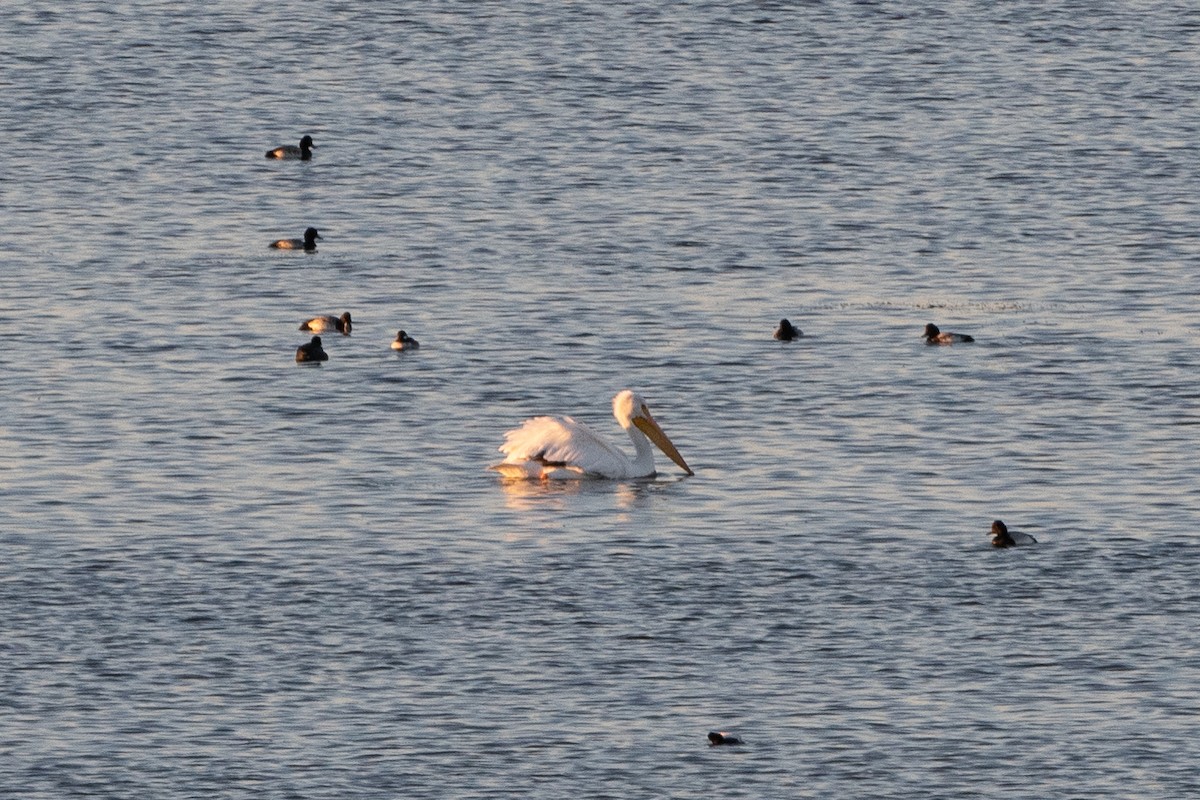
(555, 448)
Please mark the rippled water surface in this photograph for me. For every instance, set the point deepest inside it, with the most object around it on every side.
(225, 575)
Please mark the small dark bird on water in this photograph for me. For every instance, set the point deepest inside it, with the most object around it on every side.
(308, 243)
(935, 336)
(303, 152)
(328, 323)
(721, 737)
(311, 351)
(1002, 537)
(404, 342)
(787, 331)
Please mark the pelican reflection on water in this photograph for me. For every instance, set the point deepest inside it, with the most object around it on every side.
(622, 496)
(558, 448)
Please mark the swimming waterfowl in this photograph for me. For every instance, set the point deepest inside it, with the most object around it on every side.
(787, 331)
(562, 448)
(312, 351)
(1002, 537)
(303, 152)
(308, 243)
(328, 323)
(935, 336)
(404, 342)
(721, 737)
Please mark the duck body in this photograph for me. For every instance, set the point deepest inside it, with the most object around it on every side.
(303, 152)
(717, 738)
(786, 331)
(308, 243)
(311, 351)
(404, 342)
(1003, 537)
(934, 335)
(328, 323)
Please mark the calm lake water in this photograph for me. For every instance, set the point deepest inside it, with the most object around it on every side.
(224, 575)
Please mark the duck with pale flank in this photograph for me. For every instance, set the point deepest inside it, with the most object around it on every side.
(303, 152)
(786, 331)
(404, 342)
(934, 335)
(311, 351)
(1003, 537)
(328, 322)
(308, 244)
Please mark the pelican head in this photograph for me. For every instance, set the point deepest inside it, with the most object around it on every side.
(630, 409)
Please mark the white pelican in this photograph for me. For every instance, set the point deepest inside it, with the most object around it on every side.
(561, 447)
